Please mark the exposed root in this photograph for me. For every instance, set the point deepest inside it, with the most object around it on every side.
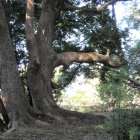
(20, 124)
(84, 117)
(41, 123)
(49, 117)
(57, 117)
(10, 130)
(14, 125)
(63, 116)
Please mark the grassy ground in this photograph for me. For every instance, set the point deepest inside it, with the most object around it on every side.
(59, 132)
(76, 130)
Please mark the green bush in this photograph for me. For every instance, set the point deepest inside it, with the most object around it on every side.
(125, 124)
(119, 98)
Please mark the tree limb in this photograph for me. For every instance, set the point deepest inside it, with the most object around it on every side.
(30, 35)
(67, 58)
(95, 10)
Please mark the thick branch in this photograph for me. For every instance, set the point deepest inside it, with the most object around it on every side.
(30, 35)
(95, 10)
(68, 57)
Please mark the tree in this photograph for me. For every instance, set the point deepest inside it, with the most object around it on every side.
(13, 90)
(132, 17)
(42, 61)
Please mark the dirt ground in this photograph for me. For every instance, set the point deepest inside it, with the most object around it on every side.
(77, 131)
(59, 132)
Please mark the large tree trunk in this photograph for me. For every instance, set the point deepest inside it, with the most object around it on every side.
(40, 68)
(12, 90)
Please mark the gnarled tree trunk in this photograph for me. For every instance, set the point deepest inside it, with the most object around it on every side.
(43, 59)
(40, 68)
(42, 62)
(11, 87)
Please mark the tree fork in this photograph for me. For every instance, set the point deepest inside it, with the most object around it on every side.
(40, 79)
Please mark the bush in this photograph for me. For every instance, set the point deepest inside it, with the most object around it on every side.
(125, 124)
(119, 98)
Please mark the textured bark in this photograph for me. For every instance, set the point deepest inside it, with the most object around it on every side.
(30, 36)
(68, 57)
(40, 73)
(33, 66)
(35, 74)
(12, 91)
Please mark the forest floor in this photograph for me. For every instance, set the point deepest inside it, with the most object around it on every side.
(57, 132)
(73, 131)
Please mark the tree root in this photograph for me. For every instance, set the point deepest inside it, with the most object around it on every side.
(58, 116)
(84, 117)
(63, 116)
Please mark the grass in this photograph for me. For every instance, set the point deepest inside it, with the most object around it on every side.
(59, 132)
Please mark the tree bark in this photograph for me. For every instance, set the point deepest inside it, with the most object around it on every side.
(40, 72)
(11, 87)
(68, 57)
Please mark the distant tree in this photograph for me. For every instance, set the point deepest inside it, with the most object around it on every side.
(132, 18)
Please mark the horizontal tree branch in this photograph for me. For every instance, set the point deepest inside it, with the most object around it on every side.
(95, 10)
(67, 58)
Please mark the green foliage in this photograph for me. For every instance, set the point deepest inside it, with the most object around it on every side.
(119, 98)
(134, 57)
(83, 32)
(15, 13)
(132, 17)
(99, 32)
(63, 77)
(133, 133)
(114, 92)
(125, 124)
